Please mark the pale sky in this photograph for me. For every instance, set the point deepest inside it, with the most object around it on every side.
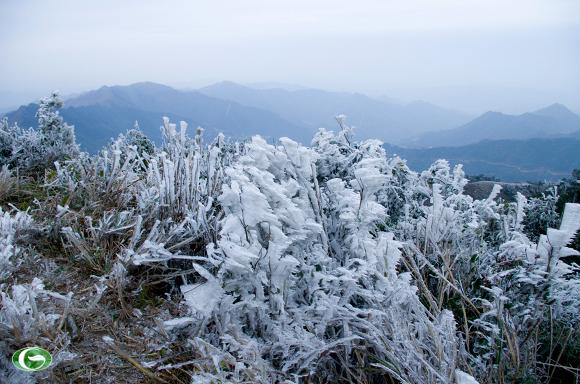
(471, 55)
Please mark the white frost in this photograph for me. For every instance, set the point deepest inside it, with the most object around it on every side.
(202, 298)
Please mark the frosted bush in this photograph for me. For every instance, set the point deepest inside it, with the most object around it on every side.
(301, 273)
(540, 214)
(10, 226)
(57, 138)
(34, 149)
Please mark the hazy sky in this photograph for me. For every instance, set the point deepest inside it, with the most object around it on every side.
(472, 55)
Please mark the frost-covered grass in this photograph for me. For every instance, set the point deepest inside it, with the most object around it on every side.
(225, 262)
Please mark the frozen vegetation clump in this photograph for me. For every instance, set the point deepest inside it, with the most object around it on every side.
(10, 227)
(34, 149)
(256, 262)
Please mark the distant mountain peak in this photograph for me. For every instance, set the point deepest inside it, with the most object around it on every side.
(228, 83)
(555, 110)
(492, 115)
(265, 85)
(225, 85)
(556, 106)
(146, 86)
(137, 85)
(552, 121)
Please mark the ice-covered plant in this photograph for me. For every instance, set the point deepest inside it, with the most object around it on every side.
(32, 150)
(10, 227)
(31, 315)
(540, 214)
(57, 137)
(303, 280)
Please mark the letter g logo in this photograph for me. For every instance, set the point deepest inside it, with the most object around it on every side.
(31, 359)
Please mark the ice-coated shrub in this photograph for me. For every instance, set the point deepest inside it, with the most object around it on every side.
(33, 150)
(137, 138)
(540, 214)
(57, 137)
(10, 226)
(302, 280)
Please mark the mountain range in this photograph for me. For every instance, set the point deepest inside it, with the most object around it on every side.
(552, 121)
(315, 108)
(539, 145)
(104, 113)
(539, 159)
(240, 111)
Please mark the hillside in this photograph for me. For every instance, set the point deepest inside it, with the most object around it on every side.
(554, 120)
(508, 160)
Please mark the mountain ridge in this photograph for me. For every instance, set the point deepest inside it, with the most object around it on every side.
(317, 108)
(536, 159)
(551, 121)
(106, 111)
